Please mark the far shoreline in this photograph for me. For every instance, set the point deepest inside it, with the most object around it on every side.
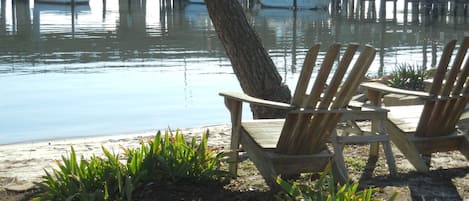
(73, 137)
(107, 135)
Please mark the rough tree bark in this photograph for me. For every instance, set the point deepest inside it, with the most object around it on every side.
(251, 63)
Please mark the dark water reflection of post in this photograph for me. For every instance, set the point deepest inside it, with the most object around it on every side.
(424, 53)
(132, 19)
(162, 16)
(104, 9)
(36, 23)
(434, 55)
(294, 38)
(23, 16)
(3, 24)
(371, 13)
(382, 10)
(131, 28)
(382, 49)
(72, 10)
(13, 15)
(361, 9)
(415, 12)
(167, 14)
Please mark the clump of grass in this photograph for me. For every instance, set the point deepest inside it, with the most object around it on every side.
(172, 159)
(165, 159)
(355, 164)
(406, 76)
(94, 179)
(326, 190)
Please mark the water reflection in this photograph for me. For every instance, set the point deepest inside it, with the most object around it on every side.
(57, 10)
(178, 30)
(129, 65)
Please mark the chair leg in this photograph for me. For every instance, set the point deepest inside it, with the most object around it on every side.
(233, 162)
(374, 150)
(268, 172)
(270, 177)
(236, 109)
(379, 126)
(390, 158)
(234, 155)
(464, 147)
(409, 149)
(262, 161)
(411, 153)
(339, 170)
(427, 158)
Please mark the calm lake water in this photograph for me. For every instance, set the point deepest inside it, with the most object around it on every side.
(120, 66)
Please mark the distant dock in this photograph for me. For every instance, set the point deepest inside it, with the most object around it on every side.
(415, 7)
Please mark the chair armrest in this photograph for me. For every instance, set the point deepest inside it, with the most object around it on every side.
(382, 88)
(257, 101)
(355, 105)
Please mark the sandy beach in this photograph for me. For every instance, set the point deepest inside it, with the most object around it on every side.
(24, 163)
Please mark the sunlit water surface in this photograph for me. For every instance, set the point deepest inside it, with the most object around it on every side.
(126, 67)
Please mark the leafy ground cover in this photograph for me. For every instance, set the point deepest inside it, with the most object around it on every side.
(167, 168)
(448, 180)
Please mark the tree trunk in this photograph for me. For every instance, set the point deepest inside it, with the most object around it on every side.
(251, 63)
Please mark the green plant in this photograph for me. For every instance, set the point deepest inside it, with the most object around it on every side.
(406, 76)
(170, 158)
(326, 190)
(355, 163)
(94, 179)
(167, 158)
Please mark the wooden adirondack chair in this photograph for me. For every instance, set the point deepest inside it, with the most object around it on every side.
(298, 143)
(419, 130)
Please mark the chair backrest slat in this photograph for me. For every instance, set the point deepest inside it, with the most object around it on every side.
(338, 76)
(324, 72)
(310, 102)
(441, 69)
(428, 112)
(456, 108)
(307, 133)
(321, 127)
(465, 70)
(455, 70)
(305, 75)
(293, 122)
(466, 87)
(441, 113)
(355, 77)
